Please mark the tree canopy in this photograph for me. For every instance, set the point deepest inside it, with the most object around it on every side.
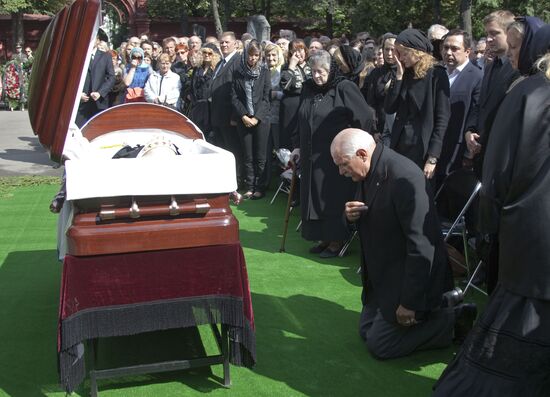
(351, 16)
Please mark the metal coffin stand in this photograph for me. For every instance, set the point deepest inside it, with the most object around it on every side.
(222, 340)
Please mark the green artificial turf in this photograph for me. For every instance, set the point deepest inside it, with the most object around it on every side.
(306, 312)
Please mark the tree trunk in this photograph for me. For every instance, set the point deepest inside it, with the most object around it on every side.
(466, 16)
(227, 13)
(329, 18)
(437, 11)
(18, 33)
(267, 10)
(216, 15)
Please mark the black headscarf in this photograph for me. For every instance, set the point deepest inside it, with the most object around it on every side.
(353, 60)
(335, 76)
(541, 42)
(414, 38)
(526, 60)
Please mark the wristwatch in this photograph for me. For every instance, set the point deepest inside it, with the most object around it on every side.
(432, 160)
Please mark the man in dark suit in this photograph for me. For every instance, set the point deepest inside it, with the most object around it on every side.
(498, 76)
(405, 269)
(224, 131)
(100, 79)
(465, 85)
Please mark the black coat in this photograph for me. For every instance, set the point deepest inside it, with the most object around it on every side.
(260, 94)
(323, 190)
(221, 108)
(403, 255)
(422, 113)
(515, 197)
(374, 91)
(497, 78)
(464, 112)
(199, 90)
(100, 78)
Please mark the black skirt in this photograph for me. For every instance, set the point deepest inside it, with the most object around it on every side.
(506, 354)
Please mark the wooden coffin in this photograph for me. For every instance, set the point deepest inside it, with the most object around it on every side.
(147, 203)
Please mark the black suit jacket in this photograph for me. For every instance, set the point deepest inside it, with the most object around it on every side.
(498, 76)
(222, 108)
(100, 78)
(404, 257)
(464, 112)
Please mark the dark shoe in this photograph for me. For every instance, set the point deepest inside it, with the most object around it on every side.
(317, 249)
(248, 195)
(257, 196)
(465, 315)
(328, 253)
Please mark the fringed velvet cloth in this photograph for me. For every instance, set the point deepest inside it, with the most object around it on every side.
(126, 294)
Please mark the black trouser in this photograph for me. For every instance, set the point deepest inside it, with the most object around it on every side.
(227, 138)
(254, 144)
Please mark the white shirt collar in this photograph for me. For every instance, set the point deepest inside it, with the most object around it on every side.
(459, 68)
(227, 58)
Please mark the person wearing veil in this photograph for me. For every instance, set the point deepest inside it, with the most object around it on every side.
(419, 97)
(377, 85)
(350, 62)
(508, 351)
(329, 103)
(250, 99)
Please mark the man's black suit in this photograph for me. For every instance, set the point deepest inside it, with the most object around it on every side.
(464, 112)
(100, 77)
(404, 259)
(221, 111)
(498, 76)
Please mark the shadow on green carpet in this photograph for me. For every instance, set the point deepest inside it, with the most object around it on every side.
(306, 312)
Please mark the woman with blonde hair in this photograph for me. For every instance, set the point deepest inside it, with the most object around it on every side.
(419, 95)
(199, 89)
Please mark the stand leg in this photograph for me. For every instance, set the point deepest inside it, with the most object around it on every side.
(92, 344)
(225, 352)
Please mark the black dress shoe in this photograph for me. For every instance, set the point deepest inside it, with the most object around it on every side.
(328, 253)
(465, 315)
(317, 249)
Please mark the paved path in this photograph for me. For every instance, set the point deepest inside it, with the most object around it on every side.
(20, 151)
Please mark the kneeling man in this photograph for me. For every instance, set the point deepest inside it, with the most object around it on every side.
(405, 268)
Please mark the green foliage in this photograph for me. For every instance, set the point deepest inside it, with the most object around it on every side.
(48, 7)
(172, 9)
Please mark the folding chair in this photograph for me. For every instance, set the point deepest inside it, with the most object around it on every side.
(284, 186)
(462, 179)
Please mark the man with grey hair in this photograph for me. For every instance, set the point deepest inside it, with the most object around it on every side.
(405, 270)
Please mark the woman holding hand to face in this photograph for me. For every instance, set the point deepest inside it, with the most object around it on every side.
(419, 97)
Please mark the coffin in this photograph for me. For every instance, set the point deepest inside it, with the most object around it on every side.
(174, 194)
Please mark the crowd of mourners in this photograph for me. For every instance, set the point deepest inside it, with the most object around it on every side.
(14, 76)
(460, 110)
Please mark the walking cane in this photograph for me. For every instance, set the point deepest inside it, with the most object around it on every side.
(288, 207)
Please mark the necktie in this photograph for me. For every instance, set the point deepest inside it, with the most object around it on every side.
(219, 67)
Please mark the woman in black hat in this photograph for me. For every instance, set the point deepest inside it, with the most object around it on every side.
(419, 96)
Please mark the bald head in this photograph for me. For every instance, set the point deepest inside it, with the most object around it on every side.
(352, 151)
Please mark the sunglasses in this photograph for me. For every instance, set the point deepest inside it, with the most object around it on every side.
(207, 53)
(136, 57)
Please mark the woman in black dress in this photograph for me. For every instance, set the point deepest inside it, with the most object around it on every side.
(508, 351)
(293, 76)
(419, 96)
(329, 103)
(199, 90)
(250, 100)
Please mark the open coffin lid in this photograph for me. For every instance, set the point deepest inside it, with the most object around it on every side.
(147, 203)
(59, 72)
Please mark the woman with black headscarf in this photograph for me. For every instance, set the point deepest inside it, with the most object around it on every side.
(508, 351)
(378, 84)
(250, 99)
(519, 37)
(350, 62)
(419, 96)
(329, 103)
